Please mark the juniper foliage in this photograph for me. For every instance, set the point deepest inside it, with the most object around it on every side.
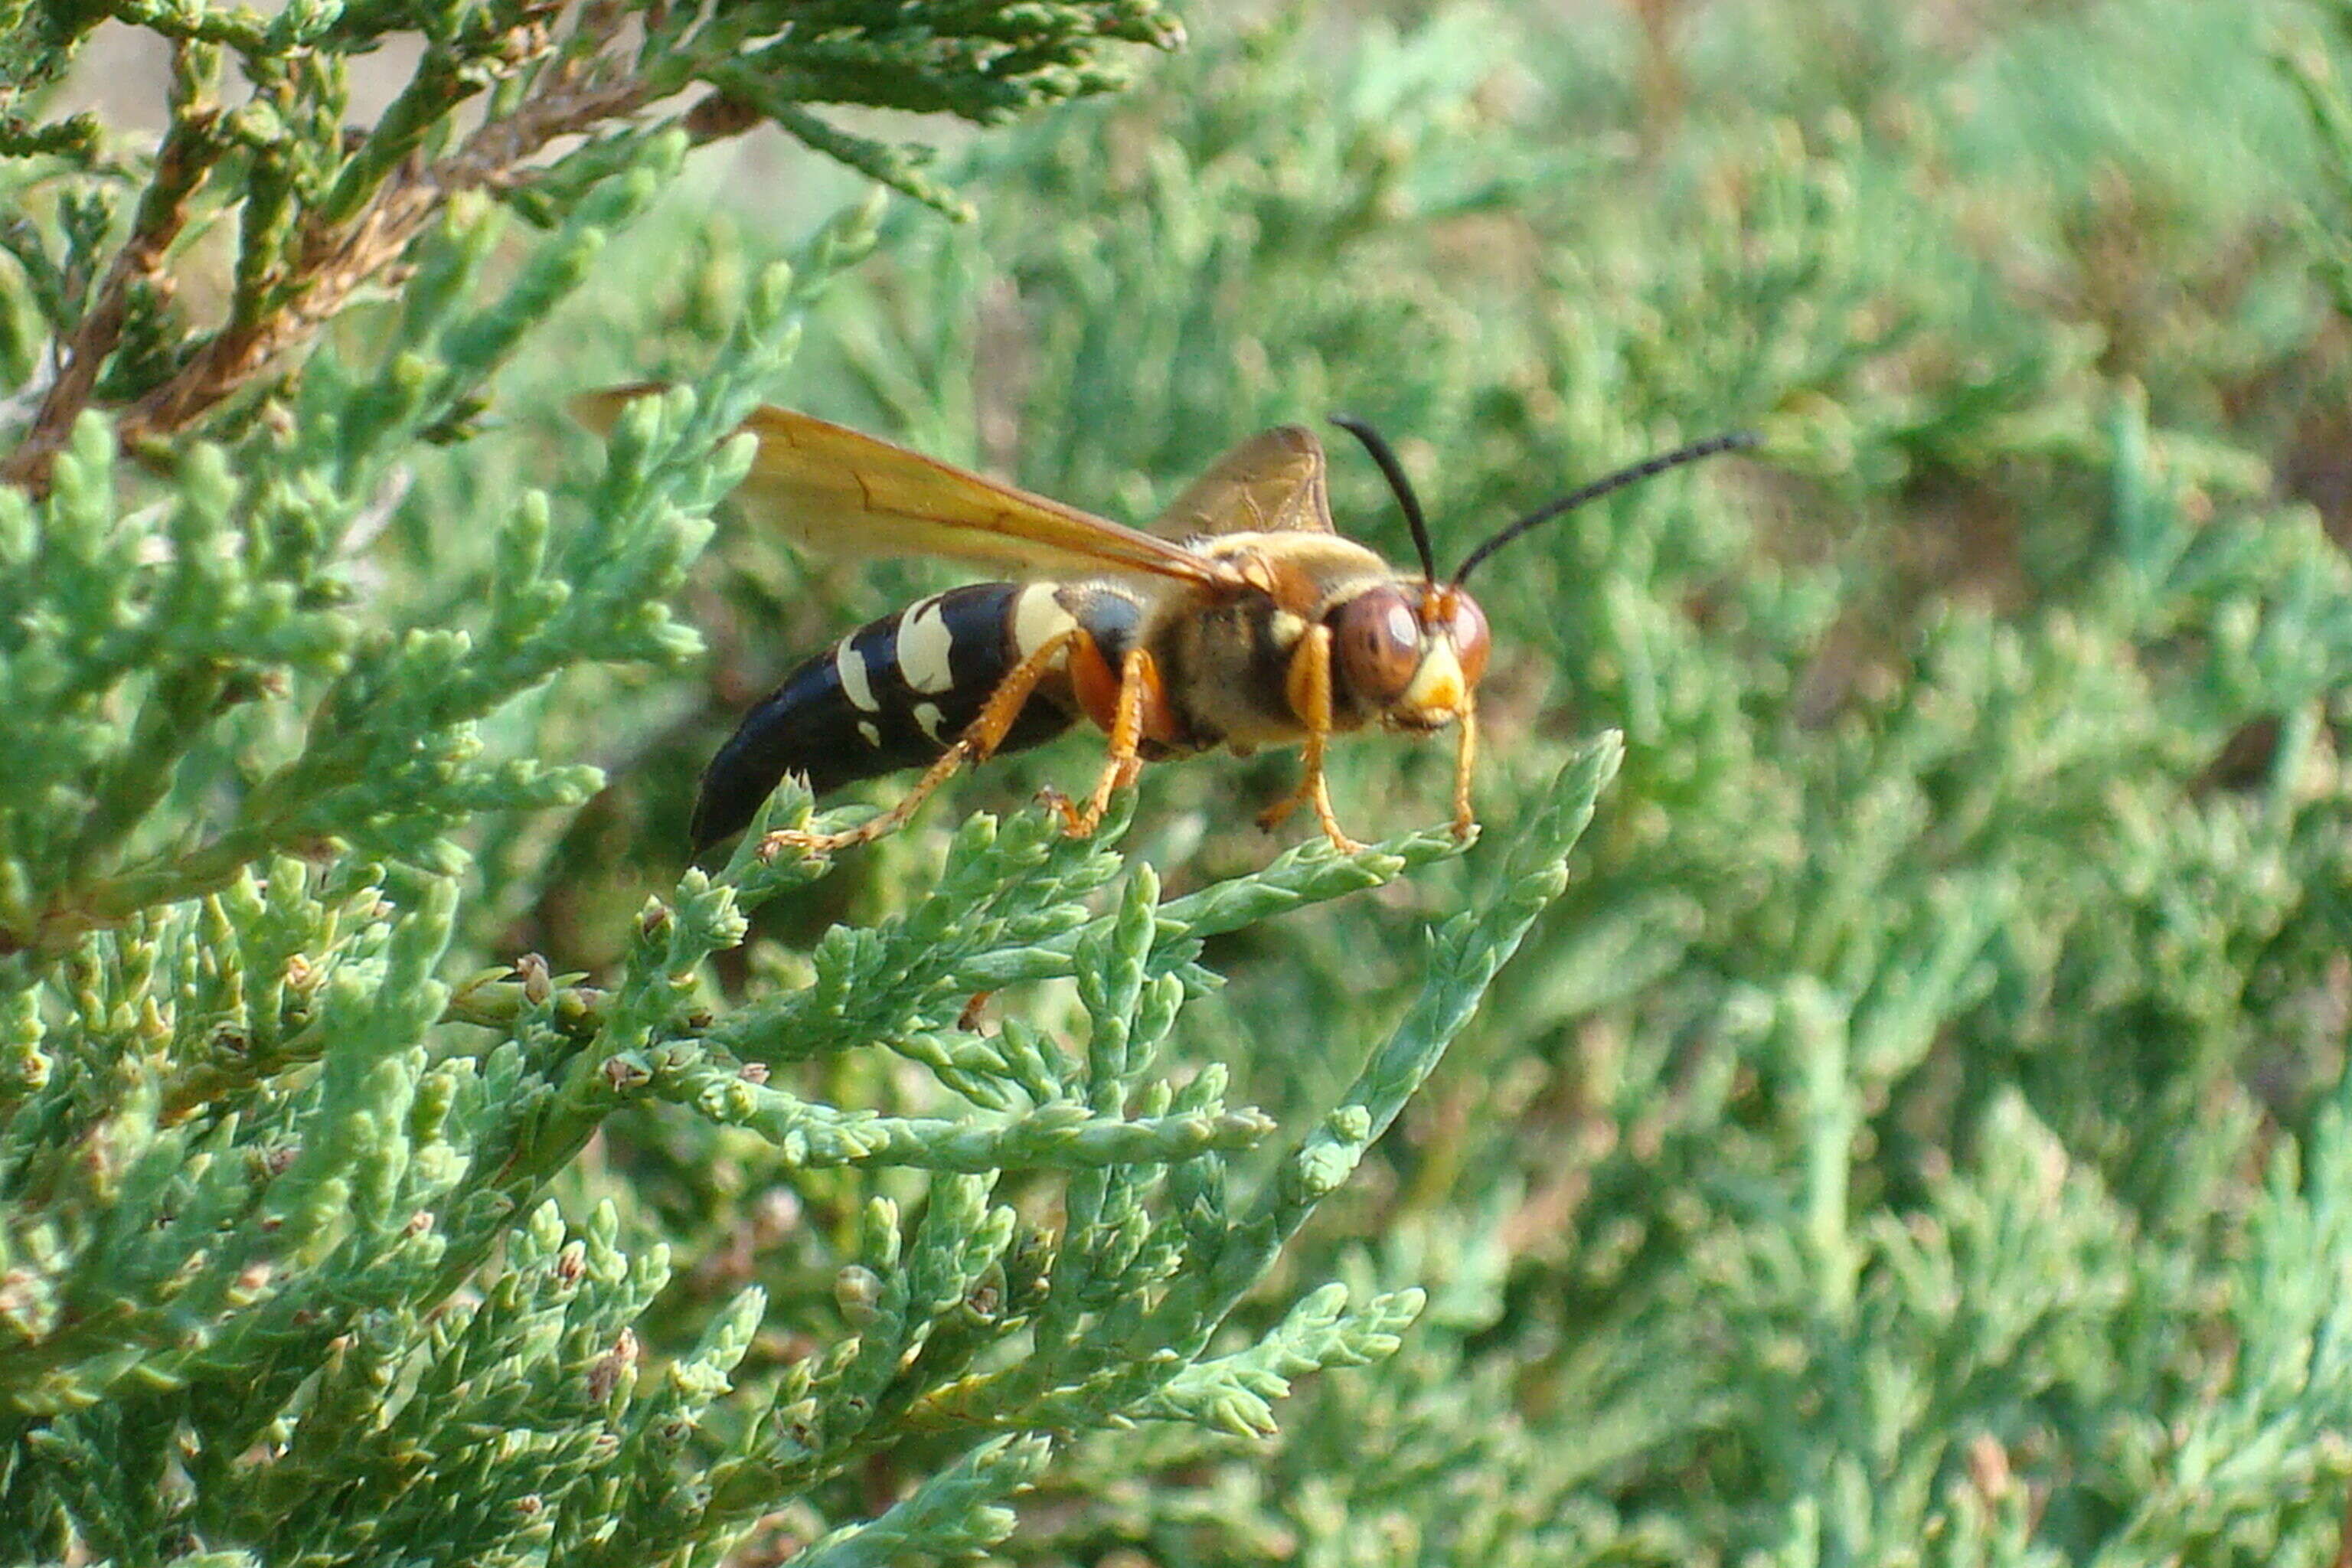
(1916, 1133)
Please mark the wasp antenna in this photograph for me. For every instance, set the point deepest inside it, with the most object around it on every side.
(1731, 441)
(1393, 471)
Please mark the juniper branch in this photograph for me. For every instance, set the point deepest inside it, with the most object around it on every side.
(310, 243)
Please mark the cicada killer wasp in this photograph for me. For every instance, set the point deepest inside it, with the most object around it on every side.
(1240, 619)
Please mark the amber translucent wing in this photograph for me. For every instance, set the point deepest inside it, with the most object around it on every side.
(1269, 484)
(830, 488)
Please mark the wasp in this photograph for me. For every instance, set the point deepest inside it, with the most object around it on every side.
(1240, 619)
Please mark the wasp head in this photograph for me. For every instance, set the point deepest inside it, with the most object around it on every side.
(1409, 652)
(1413, 651)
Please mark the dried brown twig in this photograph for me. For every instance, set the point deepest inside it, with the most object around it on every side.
(326, 210)
(327, 262)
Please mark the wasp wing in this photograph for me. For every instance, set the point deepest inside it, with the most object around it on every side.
(830, 488)
(1271, 483)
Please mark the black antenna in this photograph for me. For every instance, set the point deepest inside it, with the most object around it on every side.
(1394, 471)
(1731, 442)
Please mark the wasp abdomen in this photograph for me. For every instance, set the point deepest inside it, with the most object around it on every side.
(898, 691)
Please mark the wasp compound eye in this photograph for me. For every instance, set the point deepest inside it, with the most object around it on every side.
(1376, 645)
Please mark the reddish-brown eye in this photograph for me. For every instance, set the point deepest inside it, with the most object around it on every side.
(1376, 645)
(1467, 624)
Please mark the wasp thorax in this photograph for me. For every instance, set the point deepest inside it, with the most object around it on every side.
(1376, 645)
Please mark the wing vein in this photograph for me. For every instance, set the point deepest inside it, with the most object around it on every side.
(807, 470)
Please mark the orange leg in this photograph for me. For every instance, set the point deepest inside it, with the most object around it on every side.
(1310, 686)
(1466, 756)
(1138, 678)
(975, 745)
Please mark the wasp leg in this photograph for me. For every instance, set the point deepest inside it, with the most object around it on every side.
(1138, 682)
(1465, 755)
(1310, 698)
(975, 745)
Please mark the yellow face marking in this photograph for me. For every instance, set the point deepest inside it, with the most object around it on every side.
(924, 649)
(1437, 687)
(865, 728)
(929, 716)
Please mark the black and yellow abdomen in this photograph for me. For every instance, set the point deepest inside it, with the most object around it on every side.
(898, 691)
